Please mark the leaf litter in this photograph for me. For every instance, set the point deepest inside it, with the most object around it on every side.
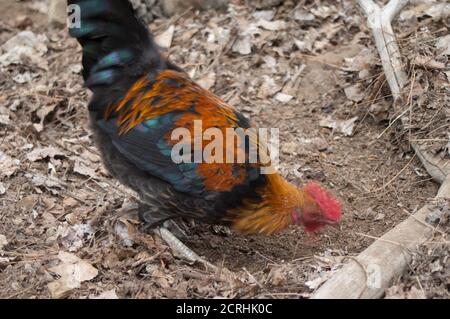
(286, 65)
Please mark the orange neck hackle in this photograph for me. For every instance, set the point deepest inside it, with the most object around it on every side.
(282, 204)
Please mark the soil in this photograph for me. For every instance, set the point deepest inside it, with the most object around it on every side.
(58, 182)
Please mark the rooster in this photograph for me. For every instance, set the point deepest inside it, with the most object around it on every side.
(139, 100)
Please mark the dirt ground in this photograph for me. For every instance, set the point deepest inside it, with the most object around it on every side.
(59, 208)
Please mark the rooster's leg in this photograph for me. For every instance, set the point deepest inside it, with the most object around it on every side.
(152, 217)
(176, 244)
(183, 250)
(175, 229)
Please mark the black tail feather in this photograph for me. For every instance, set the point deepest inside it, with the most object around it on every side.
(117, 47)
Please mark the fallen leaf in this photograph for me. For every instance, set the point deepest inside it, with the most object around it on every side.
(69, 202)
(72, 237)
(429, 63)
(82, 168)
(289, 148)
(264, 14)
(4, 119)
(122, 229)
(438, 11)
(42, 180)
(443, 45)
(354, 93)
(242, 45)
(164, 40)
(208, 80)
(43, 153)
(303, 16)
(73, 272)
(2, 188)
(283, 98)
(268, 88)
(110, 294)
(309, 40)
(324, 11)
(277, 276)
(43, 112)
(25, 45)
(271, 25)
(23, 78)
(400, 292)
(3, 241)
(8, 165)
(363, 62)
(344, 127)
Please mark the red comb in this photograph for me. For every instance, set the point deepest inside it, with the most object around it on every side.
(329, 205)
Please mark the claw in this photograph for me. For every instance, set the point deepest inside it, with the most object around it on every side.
(173, 227)
(176, 245)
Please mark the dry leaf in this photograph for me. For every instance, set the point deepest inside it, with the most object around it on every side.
(25, 45)
(3, 241)
(271, 25)
(43, 153)
(277, 276)
(4, 119)
(42, 113)
(268, 87)
(363, 62)
(2, 188)
(242, 45)
(289, 148)
(428, 63)
(73, 272)
(438, 11)
(164, 40)
(82, 168)
(344, 127)
(122, 229)
(42, 180)
(303, 16)
(208, 80)
(264, 14)
(283, 98)
(72, 237)
(110, 294)
(354, 93)
(443, 45)
(8, 165)
(400, 292)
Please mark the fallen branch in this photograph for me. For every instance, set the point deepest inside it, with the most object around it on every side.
(375, 268)
(379, 20)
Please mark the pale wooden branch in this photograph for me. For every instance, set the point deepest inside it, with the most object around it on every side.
(375, 268)
(379, 20)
